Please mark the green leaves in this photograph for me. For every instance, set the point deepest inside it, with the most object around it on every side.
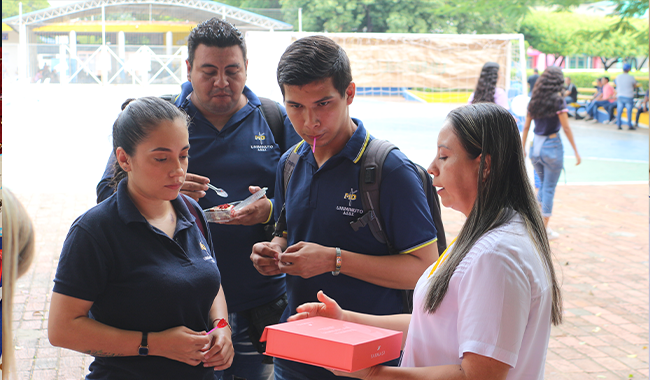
(562, 33)
(411, 16)
(10, 7)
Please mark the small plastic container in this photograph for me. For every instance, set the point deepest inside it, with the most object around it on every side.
(225, 212)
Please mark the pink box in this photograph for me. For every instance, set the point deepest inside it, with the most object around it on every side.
(331, 343)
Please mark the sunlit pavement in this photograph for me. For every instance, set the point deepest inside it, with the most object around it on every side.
(601, 214)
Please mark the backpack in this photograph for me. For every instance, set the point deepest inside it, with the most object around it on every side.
(372, 163)
(270, 112)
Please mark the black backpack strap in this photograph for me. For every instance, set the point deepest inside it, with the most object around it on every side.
(372, 162)
(200, 222)
(273, 116)
(287, 171)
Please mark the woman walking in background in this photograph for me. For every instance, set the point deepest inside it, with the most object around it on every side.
(548, 108)
(486, 88)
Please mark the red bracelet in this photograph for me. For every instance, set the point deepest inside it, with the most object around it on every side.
(221, 323)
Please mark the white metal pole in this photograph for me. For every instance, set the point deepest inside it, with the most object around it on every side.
(168, 43)
(103, 56)
(300, 19)
(184, 54)
(22, 46)
(63, 65)
(103, 25)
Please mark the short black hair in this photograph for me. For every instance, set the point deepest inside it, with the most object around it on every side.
(535, 70)
(314, 58)
(215, 32)
(606, 78)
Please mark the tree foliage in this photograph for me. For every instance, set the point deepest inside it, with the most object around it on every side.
(10, 7)
(564, 34)
(412, 16)
(627, 12)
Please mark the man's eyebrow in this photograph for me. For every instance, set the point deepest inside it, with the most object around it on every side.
(324, 99)
(209, 65)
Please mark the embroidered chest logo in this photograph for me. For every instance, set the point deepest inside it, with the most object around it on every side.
(349, 210)
(206, 253)
(261, 143)
(352, 195)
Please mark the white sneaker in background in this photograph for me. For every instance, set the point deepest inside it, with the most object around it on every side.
(552, 235)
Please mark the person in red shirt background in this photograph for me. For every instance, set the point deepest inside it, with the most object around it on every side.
(608, 98)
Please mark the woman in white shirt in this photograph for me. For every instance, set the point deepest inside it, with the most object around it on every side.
(484, 309)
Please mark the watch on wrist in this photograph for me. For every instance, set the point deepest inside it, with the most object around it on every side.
(143, 350)
(338, 262)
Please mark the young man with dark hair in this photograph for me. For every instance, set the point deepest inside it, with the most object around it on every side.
(320, 250)
(233, 145)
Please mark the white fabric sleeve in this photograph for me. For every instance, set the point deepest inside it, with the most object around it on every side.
(494, 301)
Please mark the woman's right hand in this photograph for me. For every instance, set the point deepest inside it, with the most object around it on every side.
(327, 308)
(180, 344)
(578, 159)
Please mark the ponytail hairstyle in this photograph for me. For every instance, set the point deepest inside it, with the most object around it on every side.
(546, 96)
(488, 129)
(140, 117)
(17, 257)
(487, 83)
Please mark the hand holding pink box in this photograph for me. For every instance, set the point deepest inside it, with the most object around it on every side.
(331, 343)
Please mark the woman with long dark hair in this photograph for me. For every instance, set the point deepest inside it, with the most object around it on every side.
(137, 285)
(548, 108)
(486, 88)
(484, 310)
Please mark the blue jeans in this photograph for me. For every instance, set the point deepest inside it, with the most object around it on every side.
(592, 108)
(290, 370)
(247, 363)
(548, 167)
(624, 102)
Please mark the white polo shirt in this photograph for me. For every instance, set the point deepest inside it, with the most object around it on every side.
(498, 305)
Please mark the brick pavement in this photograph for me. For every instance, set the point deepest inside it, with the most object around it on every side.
(601, 257)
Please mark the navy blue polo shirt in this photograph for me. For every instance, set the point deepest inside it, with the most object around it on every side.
(320, 205)
(139, 279)
(243, 153)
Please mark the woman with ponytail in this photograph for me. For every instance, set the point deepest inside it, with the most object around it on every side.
(137, 285)
(484, 310)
